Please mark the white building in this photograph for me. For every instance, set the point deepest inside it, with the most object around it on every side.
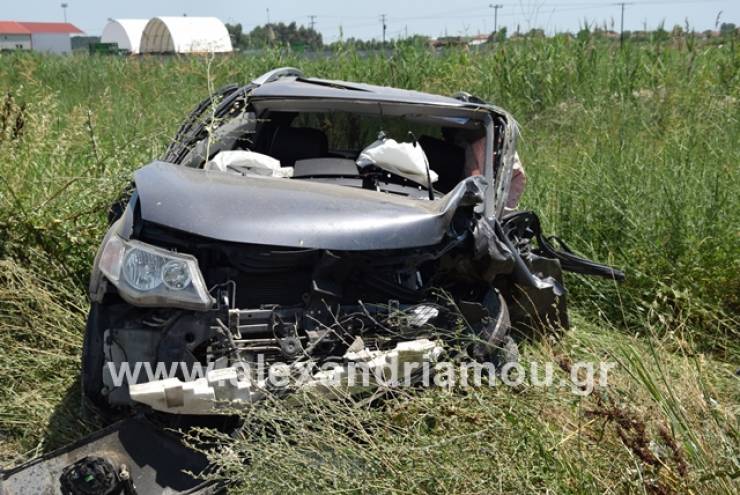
(185, 35)
(50, 37)
(125, 32)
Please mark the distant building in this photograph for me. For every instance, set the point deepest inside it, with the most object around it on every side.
(448, 42)
(185, 35)
(460, 41)
(50, 37)
(478, 40)
(125, 32)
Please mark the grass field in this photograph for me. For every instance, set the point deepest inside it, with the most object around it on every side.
(633, 157)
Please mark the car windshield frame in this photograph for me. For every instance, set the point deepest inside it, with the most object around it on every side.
(453, 115)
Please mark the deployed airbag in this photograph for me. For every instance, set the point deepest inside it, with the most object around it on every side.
(248, 162)
(405, 159)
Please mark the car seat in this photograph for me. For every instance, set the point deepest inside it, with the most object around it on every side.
(298, 143)
(445, 158)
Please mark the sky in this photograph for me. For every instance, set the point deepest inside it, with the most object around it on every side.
(362, 19)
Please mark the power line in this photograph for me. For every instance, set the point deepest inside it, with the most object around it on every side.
(621, 23)
(495, 16)
(468, 13)
(513, 10)
(557, 7)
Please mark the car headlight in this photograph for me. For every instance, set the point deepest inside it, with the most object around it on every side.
(146, 275)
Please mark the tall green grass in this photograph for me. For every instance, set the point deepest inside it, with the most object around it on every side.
(632, 156)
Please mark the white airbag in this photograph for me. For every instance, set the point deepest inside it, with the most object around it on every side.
(402, 159)
(248, 162)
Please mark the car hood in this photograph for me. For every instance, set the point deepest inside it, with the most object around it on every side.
(292, 213)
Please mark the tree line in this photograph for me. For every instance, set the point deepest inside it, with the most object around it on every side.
(306, 38)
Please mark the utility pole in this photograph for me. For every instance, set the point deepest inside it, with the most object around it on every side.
(621, 22)
(64, 9)
(383, 18)
(268, 15)
(313, 21)
(495, 16)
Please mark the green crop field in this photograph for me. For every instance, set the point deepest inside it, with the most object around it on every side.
(633, 157)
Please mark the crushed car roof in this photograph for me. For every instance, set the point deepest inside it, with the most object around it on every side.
(303, 87)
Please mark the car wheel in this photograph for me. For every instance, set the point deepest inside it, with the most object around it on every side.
(506, 353)
(91, 375)
(496, 344)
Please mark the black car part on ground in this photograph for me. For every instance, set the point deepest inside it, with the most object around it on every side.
(132, 456)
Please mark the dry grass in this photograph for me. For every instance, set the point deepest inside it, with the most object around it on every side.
(633, 435)
(41, 338)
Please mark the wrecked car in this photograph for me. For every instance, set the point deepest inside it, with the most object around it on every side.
(293, 219)
(301, 221)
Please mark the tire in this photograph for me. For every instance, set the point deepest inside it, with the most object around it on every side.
(506, 353)
(91, 373)
(496, 344)
(500, 320)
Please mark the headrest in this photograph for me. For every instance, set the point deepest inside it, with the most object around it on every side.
(298, 143)
(445, 158)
